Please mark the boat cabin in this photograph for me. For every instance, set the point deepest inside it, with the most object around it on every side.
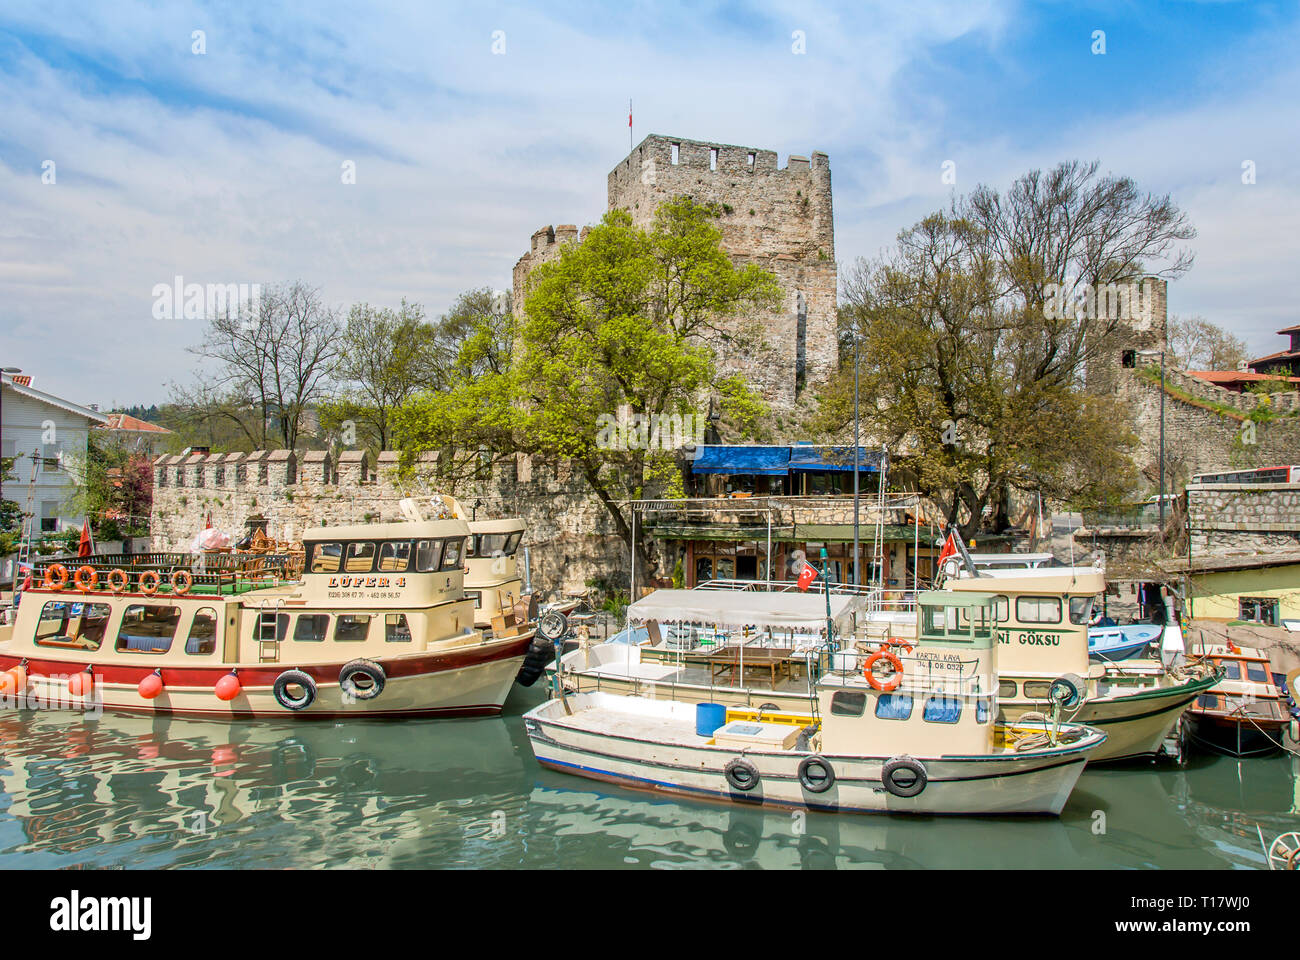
(492, 578)
(943, 702)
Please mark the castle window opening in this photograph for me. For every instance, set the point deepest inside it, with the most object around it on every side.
(1128, 359)
(676, 151)
(800, 341)
(750, 160)
(713, 158)
(263, 474)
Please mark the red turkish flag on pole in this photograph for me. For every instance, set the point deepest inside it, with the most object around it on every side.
(949, 549)
(84, 548)
(807, 575)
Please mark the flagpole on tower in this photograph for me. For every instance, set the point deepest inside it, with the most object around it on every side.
(629, 124)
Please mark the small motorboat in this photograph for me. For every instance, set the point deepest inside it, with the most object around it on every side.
(1121, 641)
(1244, 714)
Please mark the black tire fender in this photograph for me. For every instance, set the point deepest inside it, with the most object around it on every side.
(280, 690)
(814, 780)
(366, 668)
(741, 774)
(914, 777)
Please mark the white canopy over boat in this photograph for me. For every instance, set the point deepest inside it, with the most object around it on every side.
(785, 611)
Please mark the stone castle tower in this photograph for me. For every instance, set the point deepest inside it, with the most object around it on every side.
(777, 218)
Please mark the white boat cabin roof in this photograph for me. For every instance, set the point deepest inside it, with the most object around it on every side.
(505, 525)
(388, 531)
(1072, 580)
(788, 611)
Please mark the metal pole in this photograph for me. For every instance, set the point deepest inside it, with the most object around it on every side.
(857, 573)
(1162, 442)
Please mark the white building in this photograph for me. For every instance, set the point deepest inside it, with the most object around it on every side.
(32, 421)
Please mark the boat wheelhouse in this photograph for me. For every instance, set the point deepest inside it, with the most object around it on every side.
(923, 738)
(377, 626)
(492, 579)
(1244, 714)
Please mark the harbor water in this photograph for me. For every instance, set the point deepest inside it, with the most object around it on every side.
(115, 791)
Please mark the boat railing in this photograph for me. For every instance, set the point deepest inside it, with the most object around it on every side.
(231, 573)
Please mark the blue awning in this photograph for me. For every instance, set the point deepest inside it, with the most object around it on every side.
(761, 461)
(811, 457)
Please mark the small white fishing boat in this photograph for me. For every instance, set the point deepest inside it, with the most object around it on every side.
(915, 732)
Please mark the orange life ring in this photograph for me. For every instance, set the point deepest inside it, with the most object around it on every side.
(56, 577)
(869, 673)
(149, 581)
(86, 578)
(907, 645)
(182, 580)
(118, 579)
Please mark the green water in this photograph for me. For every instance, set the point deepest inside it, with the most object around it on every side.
(118, 791)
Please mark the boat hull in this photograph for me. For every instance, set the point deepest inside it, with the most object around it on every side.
(466, 682)
(1037, 782)
(1235, 738)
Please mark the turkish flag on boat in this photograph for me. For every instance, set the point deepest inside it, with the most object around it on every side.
(86, 547)
(807, 575)
(949, 548)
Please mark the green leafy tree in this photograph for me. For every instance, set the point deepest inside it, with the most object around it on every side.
(614, 337)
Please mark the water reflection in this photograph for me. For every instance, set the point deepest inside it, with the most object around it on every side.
(154, 792)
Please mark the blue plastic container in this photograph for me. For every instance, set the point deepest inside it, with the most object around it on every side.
(708, 717)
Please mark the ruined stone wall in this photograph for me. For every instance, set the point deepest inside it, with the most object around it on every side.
(1207, 428)
(1227, 518)
(570, 536)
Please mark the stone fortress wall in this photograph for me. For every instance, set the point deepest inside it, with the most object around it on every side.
(570, 536)
(778, 218)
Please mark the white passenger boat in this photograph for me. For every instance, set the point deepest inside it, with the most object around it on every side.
(922, 738)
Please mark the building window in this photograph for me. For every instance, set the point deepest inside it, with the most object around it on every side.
(1258, 610)
(148, 628)
(180, 476)
(49, 516)
(750, 159)
(677, 149)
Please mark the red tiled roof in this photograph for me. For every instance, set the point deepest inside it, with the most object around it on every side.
(1236, 376)
(1295, 329)
(1276, 356)
(124, 421)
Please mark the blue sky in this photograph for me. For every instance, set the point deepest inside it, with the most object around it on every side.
(225, 167)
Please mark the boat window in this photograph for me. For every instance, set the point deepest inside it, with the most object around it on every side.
(361, 558)
(203, 632)
(953, 623)
(512, 544)
(1255, 671)
(1081, 609)
(352, 627)
(395, 557)
(848, 703)
(451, 555)
(894, 706)
(78, 625)
(1002, 609)
(1007, 688)
(428, 555)
(476, 596)
(1038, 609)
(941, 709)
(396, 629)
(1038, 689)
(325, 557)
(982, 710)
(492, 544)
(148, 628)
(1232, 668)
(311, 627)
(982, 624)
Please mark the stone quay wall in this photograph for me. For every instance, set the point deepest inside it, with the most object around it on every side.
(1237, 518)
